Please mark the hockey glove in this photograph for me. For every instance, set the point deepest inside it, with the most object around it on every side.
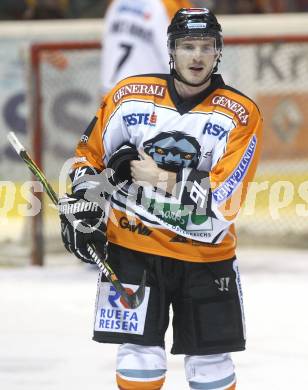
(82, 224)
(119, 163)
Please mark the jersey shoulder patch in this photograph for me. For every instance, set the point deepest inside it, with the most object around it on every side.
(243, 96)
(235, 102)
(145, 85)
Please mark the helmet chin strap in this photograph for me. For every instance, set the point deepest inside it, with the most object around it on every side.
(177, 76)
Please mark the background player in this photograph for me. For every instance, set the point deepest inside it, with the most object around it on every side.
(134, 37)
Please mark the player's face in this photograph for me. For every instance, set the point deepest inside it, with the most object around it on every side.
(195, 58)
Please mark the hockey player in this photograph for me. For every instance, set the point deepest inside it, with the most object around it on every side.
(134, 36)
(183, 147)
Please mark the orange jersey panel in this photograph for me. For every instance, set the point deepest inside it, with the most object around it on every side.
(134, 234)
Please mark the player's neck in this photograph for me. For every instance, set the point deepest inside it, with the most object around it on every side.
(187, 91)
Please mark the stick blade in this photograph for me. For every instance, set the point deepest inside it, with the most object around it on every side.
(136, 299)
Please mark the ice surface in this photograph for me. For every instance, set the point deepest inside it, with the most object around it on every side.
(46, 317)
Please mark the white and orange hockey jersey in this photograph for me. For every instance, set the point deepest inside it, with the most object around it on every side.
(134, 38)
(218, 131)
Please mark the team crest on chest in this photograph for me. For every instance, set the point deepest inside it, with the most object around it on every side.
(173, 150)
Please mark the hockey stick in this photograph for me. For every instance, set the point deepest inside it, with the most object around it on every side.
(132, 300)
